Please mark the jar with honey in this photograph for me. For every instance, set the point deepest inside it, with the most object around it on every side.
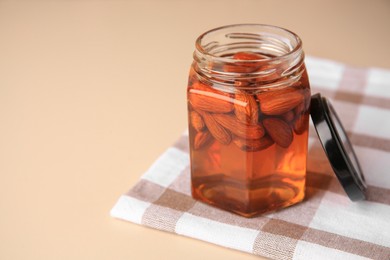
(248, 107)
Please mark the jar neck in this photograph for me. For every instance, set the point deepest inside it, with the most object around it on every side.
(278, 55)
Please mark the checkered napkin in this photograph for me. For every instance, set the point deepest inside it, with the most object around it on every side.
(326, 225)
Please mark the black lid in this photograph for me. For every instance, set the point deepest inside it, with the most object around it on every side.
(337, 147)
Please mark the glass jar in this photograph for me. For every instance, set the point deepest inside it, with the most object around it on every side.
(248, 107)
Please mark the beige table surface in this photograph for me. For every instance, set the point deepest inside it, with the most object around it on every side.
(91, 92)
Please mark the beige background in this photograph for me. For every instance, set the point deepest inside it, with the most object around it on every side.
(91, 92)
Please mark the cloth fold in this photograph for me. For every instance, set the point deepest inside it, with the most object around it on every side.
(326, 225)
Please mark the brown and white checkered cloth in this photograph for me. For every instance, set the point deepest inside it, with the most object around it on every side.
(326, 225)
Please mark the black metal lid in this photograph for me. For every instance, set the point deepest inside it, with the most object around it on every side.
(337, 147)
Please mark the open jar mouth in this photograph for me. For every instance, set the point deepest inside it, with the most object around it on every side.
(273, 40)
(279, 48)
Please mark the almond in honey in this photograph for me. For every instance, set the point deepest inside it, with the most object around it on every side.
(248, 105)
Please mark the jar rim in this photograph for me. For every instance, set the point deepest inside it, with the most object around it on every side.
(297, 46)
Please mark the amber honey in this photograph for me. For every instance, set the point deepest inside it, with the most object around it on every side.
(248, 130)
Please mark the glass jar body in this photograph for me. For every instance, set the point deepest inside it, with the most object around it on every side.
(248, 116)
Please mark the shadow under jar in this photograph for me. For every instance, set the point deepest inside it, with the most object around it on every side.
(248, 103)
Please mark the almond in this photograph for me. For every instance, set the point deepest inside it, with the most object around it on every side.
(197, 121)
(241, 83)
(307, 95)
(246, 108)
(279, 102)
(301, 124)
(253, 145)
(288, 116)
(206, 98)
(303, 85)
(248, 55)
(299, 109)
(202, 139)
(279, 131)
(220, 134)
(245, 67)
(269, 73)
(238, 128)
(301, 119)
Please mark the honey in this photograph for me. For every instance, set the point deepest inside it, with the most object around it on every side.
(248, 116)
